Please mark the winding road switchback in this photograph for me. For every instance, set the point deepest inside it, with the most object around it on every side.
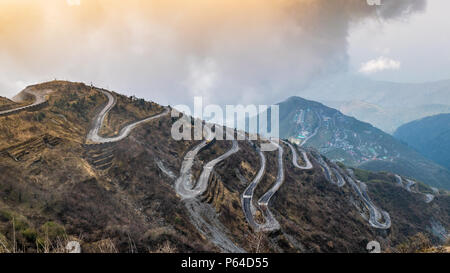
(409, 184)
(340, 181)
(428, 197)
(375, 215)
(40, 97)
(247, 197)
(270, 222)
(93, 136)
(184, 185)
(308, 166)
(202, 215)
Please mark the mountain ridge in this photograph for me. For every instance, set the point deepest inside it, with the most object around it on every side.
(53, 183)
(354, 142)
(430, 136)
(393, 104)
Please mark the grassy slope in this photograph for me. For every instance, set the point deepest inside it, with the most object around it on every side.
(135, 201)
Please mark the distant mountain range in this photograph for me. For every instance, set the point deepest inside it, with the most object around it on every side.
(386, 105)
(430, 136)
(355, 143)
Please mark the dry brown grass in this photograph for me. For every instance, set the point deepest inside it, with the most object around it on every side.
(127, 110)
(102, 246)
(419, 243)
(46, 242)
(4, 245)
(166, 247)
(70, 109)
(258, 242)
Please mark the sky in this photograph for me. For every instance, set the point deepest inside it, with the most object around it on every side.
(414, 48)
(227, 51)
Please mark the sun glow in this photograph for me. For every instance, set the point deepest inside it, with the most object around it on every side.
(74, 2)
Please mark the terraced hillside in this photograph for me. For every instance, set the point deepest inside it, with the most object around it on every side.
(139, 190)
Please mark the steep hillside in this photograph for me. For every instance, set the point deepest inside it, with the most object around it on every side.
(6, 104)
(355, 143)
(430, 136)
(142, 191)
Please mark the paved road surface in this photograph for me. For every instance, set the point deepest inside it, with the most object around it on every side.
(399, 180)
(203, 216)
(409, 183)
(184, 181)
(40, 97)
(247, 197)
(340, 181)
(375, 214)
(93, 136)
(184, 185)
(271, 223)
(429, 198)
(308, 166)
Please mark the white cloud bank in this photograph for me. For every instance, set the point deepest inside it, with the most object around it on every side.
(378, 65)
(228, 51)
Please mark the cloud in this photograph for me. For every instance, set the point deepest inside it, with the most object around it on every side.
(378, 65)
(202, 78)
(235, 51)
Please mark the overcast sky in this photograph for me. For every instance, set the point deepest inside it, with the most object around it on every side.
(419, 44)
(228, 51)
